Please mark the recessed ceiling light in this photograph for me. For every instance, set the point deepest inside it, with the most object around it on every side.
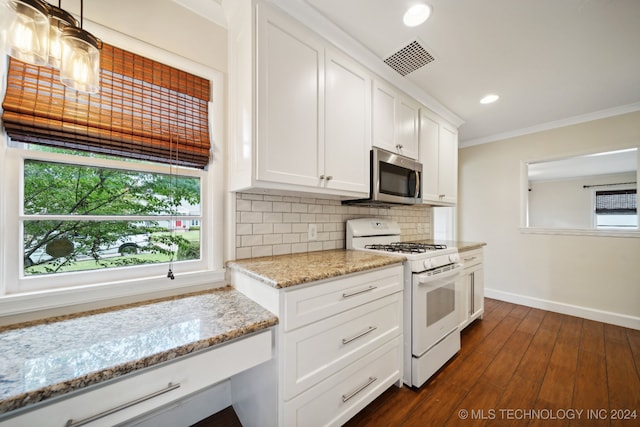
(489, 99)
(416, 15)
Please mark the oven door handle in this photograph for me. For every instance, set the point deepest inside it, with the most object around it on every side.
(426, 278)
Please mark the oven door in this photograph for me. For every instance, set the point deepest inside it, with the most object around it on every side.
(433, 308)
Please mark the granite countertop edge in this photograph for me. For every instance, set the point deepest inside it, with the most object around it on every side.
(469, 246)
(31, 397)
(321, 266)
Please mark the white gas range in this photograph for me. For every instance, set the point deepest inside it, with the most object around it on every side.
(431, 335)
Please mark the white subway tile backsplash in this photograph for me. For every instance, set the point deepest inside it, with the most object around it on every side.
(282, 228)
(299, 207)
(261, 206)
(272, 239)
(243, 205)
(253, 240)
(265, 228)
(273, 217)
(251, 217)
(278, 224)
(282, 206)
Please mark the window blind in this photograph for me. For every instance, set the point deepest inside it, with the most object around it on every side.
(145, 110)
(616, 202)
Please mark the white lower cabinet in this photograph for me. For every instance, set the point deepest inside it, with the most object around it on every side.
(342, 395)
(117, 401)
(338, 345)
(470, 288)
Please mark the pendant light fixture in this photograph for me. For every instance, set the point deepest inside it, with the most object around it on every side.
(59, 19)
(27, 37)
(42, 34)
(80, 61)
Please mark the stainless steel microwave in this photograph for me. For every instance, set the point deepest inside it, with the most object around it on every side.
(395, 179)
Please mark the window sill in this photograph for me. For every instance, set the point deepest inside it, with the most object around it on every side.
(80, 298)
(580, 232)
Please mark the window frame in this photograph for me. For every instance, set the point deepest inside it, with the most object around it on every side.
(209, 272)
(524, 226)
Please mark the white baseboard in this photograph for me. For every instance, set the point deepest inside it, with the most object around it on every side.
(564, 308)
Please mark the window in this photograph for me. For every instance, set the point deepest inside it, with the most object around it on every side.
(616, 209)
(593, 193)
(103, 213)
(100, 218)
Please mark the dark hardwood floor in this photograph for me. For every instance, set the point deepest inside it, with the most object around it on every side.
(520, 366)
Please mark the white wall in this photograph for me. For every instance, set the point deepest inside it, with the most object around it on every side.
(565, 203)
(162, 23)
(591, 276)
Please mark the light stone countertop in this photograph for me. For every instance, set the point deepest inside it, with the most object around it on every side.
(48, 358)
(283, 271)
(462, 246)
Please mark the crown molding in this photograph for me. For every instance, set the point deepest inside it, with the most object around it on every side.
(583, 118)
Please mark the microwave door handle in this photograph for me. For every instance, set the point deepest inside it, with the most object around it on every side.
(417, 184)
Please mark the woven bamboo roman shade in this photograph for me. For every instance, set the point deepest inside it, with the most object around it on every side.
(616, 202)
(145, 110)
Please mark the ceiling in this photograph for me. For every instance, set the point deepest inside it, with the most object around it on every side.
(606, 163)
(550, 61)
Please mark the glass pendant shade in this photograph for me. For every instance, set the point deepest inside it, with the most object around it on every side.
(80, 61)
(59, 19)
(28, 35)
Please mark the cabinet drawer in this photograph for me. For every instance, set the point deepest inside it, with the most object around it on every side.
(471, 258)
(316, 351)
(307, 305)
(134, 394)
(339, 397)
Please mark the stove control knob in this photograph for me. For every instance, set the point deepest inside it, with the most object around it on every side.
(454, 257)
(428, 263)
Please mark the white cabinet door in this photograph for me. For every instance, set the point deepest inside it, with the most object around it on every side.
(470, 288)
(347, 136)
(290, 101)
(407, 125)
(477, 293)
(448, 170)
(384, 117)
(462, 299)
(429, 152)
(395, 121)
(439, 158)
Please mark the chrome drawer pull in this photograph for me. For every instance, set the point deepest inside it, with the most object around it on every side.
(470, 259)
(370, 288)
(72, 423)
(361, 334)
(346, 397)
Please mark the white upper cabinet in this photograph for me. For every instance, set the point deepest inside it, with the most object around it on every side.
(347, 132)
(306, 125)
(395, 121)
(439, 158)
(290, 102)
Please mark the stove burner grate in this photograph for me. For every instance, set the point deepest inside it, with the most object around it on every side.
(407, 247)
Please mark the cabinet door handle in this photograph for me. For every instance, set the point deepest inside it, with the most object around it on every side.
(361, 334)
(351, 294)
(329, 178)
(322, 177)
(78, 423)
(472, 295)
(346, 397)
(399, 146)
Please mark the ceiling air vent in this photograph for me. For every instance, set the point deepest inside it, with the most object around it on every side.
(409, 58)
